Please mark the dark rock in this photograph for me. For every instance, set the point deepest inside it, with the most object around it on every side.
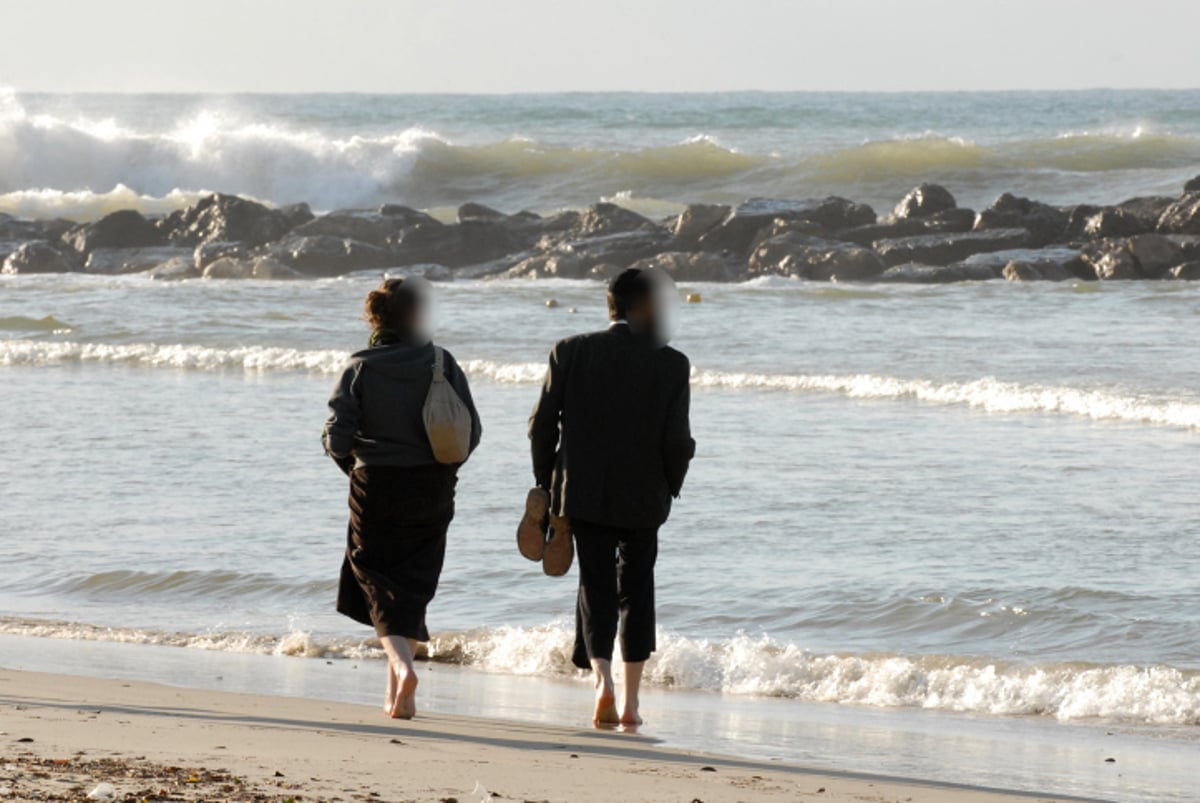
(228, 217)
(951, 220)
(20, 230)
(274, 270)
(112, 261)
(7, 247)
(1148, 208)
(407, 216)
(923, 201)
(769, 253)
(1077, 219)
(945, 249)
(1046, 260)
(1188, 271)
(562, 222)
(174, 270)
(1045, 223)
(948, 221)
(473, 211)
(126, 228)
(737, 232)
(977, 273)
(1182, 216)
(871, 233)
(923, 274)
(40, 257)
(1065, 273)
(793, 228)
(294, 215)
(550, 266)
(365, 227)
(1114, 222)
(229, 268)
(605, 218)
(471, 242)
(1112, 261)
(814, 258)
(1021, 272)
(841, 265)
(622, 249)
(1155, 254)
(697, 219)
(1189, 243)
(323, 255)
(1192, 186)
(208, 253)
(689, 266)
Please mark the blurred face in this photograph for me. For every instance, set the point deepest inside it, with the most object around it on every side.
(658, 314)
(423, 315)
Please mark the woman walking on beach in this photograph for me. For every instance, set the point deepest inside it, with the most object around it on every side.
(401, 487)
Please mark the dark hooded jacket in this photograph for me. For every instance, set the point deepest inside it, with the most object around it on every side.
(375, 411)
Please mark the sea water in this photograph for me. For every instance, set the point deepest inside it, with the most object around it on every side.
(79, 155)
(973, 501)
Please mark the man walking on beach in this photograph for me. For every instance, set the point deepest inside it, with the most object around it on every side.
(611, 432)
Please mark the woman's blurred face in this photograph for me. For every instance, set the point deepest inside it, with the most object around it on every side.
(424, 317)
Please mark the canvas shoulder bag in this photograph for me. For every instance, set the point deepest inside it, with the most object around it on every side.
(447, 417)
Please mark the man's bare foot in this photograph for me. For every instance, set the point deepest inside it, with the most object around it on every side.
(405, 704)
(630, 717)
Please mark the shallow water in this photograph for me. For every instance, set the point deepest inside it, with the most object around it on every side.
(970, 498)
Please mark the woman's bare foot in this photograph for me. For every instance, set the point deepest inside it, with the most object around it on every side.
(606, 710)
(404, 706)
(393, 685)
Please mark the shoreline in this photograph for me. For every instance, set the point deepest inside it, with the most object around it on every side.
(297, 748)
(945, 749)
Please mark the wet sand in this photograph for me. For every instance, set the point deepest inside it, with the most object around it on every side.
(62, 736)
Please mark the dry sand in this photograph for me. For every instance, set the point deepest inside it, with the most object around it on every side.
(63, 736)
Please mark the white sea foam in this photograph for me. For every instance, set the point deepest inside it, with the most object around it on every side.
(758, 666)
(987, 394)
(150, 355)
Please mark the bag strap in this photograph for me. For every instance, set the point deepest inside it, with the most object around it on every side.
(439, 373)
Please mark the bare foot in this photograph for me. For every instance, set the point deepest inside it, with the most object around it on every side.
(606, 707)
(405, 704)
(630, 718)
(393, 684)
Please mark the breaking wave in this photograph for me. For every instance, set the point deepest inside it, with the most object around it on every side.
(59, 162)
(986, 394)
(758, 666)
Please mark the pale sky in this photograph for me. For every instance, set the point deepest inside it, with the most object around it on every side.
(571, 45)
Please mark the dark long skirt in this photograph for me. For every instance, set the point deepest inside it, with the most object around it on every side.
(396, 546)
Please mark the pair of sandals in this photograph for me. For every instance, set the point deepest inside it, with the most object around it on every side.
(543, 536)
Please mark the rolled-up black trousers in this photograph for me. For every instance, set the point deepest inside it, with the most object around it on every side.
(616, 592)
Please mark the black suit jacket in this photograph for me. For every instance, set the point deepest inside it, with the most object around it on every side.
(610, 433)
